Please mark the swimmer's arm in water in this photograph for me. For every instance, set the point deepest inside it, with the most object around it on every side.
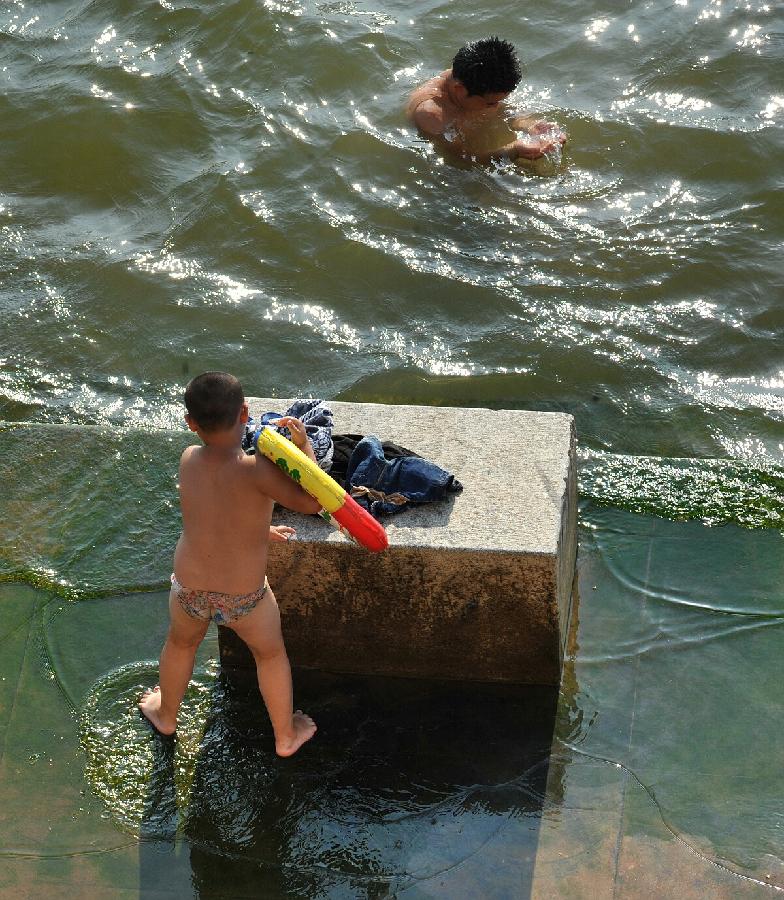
(526, 123)
(536, 126)
(429, 120)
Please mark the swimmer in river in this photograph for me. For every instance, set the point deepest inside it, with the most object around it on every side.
(462, 112)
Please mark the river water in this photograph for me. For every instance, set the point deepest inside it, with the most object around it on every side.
(193, 186)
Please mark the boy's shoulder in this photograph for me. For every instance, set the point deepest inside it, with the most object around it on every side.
(189, 452)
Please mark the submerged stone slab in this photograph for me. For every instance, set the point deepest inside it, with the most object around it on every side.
(477, 587)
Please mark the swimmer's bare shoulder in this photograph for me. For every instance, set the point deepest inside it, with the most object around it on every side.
(430, 118)
(427, 106)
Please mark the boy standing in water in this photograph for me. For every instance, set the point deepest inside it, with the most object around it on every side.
(220, 561)
(460, 110)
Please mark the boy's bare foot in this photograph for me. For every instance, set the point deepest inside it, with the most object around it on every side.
(150, 706)
(303, 729)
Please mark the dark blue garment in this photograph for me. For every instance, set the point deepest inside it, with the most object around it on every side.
(314, 415)
(389, 485)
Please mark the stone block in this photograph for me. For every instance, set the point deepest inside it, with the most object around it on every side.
(477, 587)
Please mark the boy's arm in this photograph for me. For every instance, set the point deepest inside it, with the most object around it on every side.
(299, 436)
(273, 482)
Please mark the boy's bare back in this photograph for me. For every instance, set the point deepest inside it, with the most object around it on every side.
(226, 499)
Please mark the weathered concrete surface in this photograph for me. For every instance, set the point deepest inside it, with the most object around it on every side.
(477, 587)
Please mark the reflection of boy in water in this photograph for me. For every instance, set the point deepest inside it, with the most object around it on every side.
(460, 110)
(220, 562)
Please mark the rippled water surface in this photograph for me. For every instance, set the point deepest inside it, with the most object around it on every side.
(189, 186)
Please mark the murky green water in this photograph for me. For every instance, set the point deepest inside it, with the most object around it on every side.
(195, 186)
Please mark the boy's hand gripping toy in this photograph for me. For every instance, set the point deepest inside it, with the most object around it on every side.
(338, 507)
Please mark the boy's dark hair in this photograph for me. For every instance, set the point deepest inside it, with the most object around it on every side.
(214, 400)
(489, 66)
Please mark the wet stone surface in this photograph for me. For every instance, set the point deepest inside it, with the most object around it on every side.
(662, 775)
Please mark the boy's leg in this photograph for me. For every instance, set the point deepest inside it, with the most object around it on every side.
(161, 704)
(260, 629)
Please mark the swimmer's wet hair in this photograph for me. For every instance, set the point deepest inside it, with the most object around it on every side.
(214, 400)
(489, 66)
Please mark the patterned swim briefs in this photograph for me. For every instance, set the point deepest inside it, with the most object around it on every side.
(221, 608)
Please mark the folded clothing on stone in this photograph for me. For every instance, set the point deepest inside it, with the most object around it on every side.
(388, 485)
(344, 446)
(382, 476)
